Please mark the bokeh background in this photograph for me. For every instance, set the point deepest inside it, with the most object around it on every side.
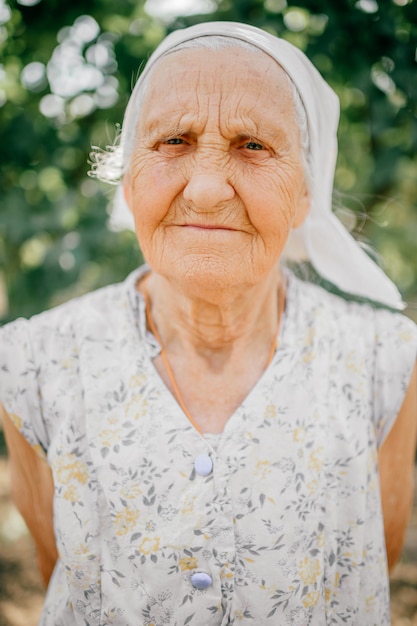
(67, 67)
(66, 71)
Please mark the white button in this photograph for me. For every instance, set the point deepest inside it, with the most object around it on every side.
(203, 464)
(201, 580)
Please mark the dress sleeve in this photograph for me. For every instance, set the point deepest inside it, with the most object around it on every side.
(19, 385)
(395, 357)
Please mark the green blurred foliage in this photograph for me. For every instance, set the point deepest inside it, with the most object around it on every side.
(66, 70)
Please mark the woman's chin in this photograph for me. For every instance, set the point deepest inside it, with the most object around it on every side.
(213, 278)
(203, 274)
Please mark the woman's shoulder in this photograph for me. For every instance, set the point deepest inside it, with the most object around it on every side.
(371, 349)
(105, 305)
(106, 302)
(335, 313)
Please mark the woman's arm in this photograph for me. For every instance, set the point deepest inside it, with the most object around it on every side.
(396, 469)
(32, 491)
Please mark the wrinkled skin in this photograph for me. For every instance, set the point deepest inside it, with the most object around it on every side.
(216, 180)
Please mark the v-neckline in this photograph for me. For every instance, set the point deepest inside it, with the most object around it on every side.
(153, 350)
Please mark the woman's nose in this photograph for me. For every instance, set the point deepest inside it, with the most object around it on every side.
(208, 190)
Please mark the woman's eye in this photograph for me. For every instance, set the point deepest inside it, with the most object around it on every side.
(173, 146)
(175, 141)
(252, 145)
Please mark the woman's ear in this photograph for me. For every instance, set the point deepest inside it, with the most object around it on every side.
(127, 190)
(303, 206)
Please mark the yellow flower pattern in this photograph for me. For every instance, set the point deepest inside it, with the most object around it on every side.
(309, 570)
(69, 468)
(71, 493)
(125, 521)
(287, 527)
(149, 545)
(188, 563)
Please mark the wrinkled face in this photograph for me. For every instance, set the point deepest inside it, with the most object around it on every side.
(216, 179)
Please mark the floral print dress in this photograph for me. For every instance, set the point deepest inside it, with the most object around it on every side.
(277, 521)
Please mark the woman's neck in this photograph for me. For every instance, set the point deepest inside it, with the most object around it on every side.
(214, 325)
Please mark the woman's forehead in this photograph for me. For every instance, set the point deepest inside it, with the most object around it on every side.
(210, 65)
(233, 77)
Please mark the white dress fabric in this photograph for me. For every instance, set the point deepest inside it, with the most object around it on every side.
(286, 529)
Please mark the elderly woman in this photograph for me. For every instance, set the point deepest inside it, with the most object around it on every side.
(227, 443)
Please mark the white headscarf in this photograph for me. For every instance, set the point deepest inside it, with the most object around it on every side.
(321, 239)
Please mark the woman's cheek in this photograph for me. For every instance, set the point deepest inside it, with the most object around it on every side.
(153, 189)
(268, 203)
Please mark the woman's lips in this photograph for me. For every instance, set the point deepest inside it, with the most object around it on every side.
(208, 226)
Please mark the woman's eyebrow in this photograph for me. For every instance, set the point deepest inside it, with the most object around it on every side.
(268, 134)
(164, 131)
(156, 127)
(159, 127)
(246, 125)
